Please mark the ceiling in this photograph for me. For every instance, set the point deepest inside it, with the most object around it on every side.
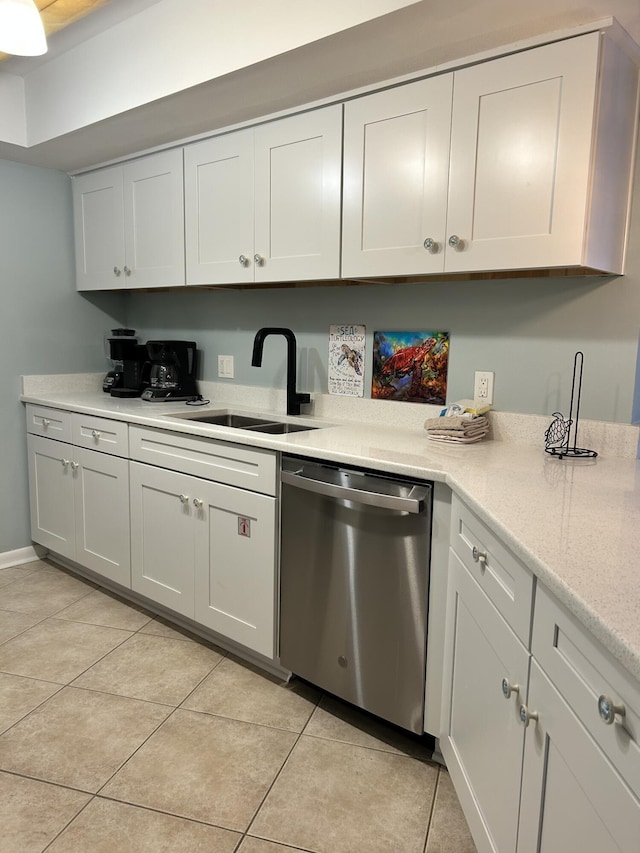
(423, 34)
(58, 14)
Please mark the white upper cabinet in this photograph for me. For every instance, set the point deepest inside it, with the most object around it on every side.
(297, 197)
(98, 212)
(539, 168)
(218, 187)
(263, 204)
(396, 173)
(129, 224)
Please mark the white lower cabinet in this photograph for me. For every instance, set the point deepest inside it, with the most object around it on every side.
(207, 551)
(535, 767)
(482, 739)
(572, 796)
(162, 537)
(79, 505)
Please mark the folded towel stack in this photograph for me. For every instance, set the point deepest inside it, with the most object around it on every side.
(463, 429)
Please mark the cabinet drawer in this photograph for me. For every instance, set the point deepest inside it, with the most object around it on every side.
(500, 574)
(53, 423)
(100, 434)
(232, 464)
(583, 670)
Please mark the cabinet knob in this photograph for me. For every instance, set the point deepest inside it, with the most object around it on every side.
(508, 688)
(456, 242)
(184, 499)
(243, 260)
(526, 715)
(197, 502)
(117, 271)
(258, 260)
(608, 710)
(479, 557)
(127, 271)
(95, 434)
(75, 466)
(65, 462)
(45, 422)
(431, 246)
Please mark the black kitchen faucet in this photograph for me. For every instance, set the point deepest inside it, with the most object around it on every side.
(294, 399)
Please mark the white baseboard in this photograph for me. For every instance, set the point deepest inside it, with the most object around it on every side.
(17, 557)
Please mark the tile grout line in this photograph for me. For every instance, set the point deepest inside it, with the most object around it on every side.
(432, 809)
(278, 774)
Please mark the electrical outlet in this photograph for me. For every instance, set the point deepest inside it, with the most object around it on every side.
(483, 386)
(225, 366)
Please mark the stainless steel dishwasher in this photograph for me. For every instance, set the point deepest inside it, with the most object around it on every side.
(354, 585)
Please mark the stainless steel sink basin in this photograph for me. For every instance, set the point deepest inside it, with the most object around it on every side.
(254, 424)
(280, 428)
(226, 419)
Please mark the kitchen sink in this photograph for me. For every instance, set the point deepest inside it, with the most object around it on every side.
(254, 424)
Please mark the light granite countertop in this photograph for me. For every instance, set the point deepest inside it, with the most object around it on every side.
(574, 523)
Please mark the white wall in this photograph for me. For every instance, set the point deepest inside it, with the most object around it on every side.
(172, 46)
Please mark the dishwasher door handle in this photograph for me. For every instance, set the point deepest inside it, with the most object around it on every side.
(415, 503)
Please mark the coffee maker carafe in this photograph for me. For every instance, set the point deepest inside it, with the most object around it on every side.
(173, 371)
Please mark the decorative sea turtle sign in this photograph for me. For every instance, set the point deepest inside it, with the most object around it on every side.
(410, 366)
(346, 360)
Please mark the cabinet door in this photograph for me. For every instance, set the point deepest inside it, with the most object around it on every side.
(162, 549)
(396, 167)
(572, 798)
(102, 514)
(154, 220)
(521, 143)
(297, 196)
(482, 739)
(51, 490)
(235, 565)
(99, 230)
(218, 190)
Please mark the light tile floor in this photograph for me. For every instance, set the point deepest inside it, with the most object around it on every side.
(121, 733)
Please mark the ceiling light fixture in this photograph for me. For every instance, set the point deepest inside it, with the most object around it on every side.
(21, 29)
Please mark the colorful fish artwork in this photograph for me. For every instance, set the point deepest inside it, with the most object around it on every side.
(410, 366)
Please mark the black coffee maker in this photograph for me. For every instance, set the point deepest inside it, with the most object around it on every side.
(130, 374)
(172, 375)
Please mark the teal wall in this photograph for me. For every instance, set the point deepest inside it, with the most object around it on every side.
(526, 331)
(45, 326)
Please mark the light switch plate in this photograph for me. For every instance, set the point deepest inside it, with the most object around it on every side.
(225, 366)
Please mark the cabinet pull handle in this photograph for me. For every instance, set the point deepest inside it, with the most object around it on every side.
(95, 434)
(259, 260)
(508, 688)
(479, 557)
(127, 271)
(243, 260)
(456, 242)
(608, 710)
(46, 422)
(197, 502)
(526, 715)
(431, 246)
(117, 271)
(65, 462)
(75, 466)
(184, 499)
